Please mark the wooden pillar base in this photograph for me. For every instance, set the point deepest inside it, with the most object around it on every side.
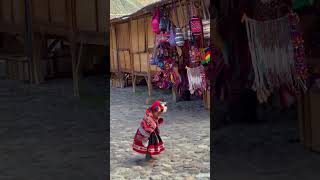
(134, 82)
(148, 78)
(174, 94)
(121, 79)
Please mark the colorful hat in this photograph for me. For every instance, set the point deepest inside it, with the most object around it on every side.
(159, 106)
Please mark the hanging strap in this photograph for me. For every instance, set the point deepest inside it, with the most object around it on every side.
(184, 16)
(175, 11)
(205, 10)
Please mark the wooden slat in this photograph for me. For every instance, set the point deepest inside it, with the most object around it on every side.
(142, 35)
(58, 11)
(6, 11)
(40, 11)
(122, 35)
(144, 62)
(150, 33)
(86, 15)
(18, 8)
(122, 61)
(114, 49)
(127, 61)
(136, 63)
(134, 36)
(112, 65)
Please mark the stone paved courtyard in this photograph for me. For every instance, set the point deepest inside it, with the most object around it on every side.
(186, 134)
(266, 150)
(46, 134)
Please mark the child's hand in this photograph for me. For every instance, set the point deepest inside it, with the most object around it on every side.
(160, 120)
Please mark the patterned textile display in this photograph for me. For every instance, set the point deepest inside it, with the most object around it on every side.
(272, 55)
(147, 139)
(299, 54)
(197, 80)
(166, 79)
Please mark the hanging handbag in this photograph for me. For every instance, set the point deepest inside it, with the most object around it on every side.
(155, 21)
(163, 37)
(172, 38)
(195, 22)
(164, 21)
(196, 26)
(179, 39)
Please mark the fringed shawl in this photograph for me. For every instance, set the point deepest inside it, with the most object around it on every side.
(272, 55)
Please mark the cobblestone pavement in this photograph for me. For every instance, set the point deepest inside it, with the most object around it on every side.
(46, 134)
(186, 134)
(268, 150)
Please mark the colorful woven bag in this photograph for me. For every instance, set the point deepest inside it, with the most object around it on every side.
(155, 21)
(196, 26)
(179, 37)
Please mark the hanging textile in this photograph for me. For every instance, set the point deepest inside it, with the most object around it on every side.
(299, 54)
(272, 55)
(197, 80)
(166, 79)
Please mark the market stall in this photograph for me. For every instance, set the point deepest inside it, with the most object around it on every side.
(167, 44)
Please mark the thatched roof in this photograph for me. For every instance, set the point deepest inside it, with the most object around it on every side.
(121, 8)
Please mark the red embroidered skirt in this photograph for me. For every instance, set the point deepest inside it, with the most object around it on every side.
(155, 144)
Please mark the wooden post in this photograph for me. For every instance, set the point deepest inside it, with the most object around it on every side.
(76, 60)
(73, 46)
(74, 64)
(149, 99)
(174, 94)
(36, 57)
(149, 83)
(29, 49)
(149, 77)
(300, 112)
(134, 81)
